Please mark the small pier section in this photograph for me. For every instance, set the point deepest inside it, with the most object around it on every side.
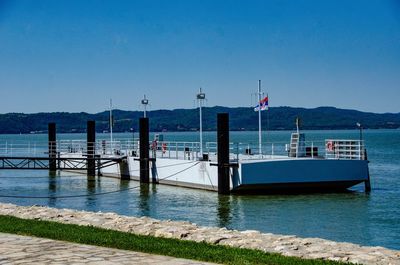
(58, 155)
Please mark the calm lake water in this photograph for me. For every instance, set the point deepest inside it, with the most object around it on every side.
(367, 219)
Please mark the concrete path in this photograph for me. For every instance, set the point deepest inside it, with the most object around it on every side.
(15, 249)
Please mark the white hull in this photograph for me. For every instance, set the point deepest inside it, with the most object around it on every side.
(276, 174)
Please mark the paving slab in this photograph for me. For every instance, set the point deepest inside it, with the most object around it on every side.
(16, 249)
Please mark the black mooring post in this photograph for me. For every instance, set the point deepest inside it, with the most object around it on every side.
(367, 183)
(91, 145)
(144, 150)
(223, 152)
(52, 146)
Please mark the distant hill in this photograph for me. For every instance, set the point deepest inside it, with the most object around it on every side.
(279, 118)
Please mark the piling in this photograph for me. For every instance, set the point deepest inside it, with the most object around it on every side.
(367, 183)
(52, 146)
(144, 149)
(223, 153)
(91, 146)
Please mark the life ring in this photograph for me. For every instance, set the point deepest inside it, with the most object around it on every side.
(164, 148)
(154, 145)
(330, 146)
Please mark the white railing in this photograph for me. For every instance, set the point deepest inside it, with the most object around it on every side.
(42, 148)
(345, 149)
(175, 150)
(328, 149)
(23, 148)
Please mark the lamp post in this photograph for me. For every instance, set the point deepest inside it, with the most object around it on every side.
(360, 128)
(145, 102)
(201, 96)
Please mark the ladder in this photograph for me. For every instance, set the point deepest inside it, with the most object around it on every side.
(297, 145)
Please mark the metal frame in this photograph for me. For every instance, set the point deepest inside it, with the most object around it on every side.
(69, 163)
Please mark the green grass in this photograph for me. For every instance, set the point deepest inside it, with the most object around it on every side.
(148, 244)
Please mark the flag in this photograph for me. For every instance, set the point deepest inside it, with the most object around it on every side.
(263, 103)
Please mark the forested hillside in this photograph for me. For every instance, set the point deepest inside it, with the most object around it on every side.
(276, 118)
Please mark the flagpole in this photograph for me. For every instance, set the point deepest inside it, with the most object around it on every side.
(259, 118)
(111, 126)
(267, 121)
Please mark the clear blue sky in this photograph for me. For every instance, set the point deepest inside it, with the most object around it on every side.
(75, 55)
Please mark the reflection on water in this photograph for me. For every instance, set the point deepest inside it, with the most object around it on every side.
(91, 188)
(52, 187)
(354, 217)
(224, 210)
(144, 195)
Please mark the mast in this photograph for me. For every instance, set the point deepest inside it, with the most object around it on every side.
(145, 102)
(259, 118)
(200, 98)
(111, 125)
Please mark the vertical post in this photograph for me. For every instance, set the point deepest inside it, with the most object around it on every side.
(200, 98)
(272, 150)
(111, 128)
(144, 149)
(201, 128)
(367, 183)
(312, 149)
(52, 146)
(91, 146)
(223, 153)
(259, 119)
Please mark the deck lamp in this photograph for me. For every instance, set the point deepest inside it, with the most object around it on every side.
(360, 128)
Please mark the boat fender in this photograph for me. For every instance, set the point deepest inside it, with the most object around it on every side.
(164, 148)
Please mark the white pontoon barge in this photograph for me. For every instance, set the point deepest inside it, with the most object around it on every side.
(295, 166)
(332, 165)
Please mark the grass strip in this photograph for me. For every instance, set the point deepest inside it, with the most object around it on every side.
(148, 244)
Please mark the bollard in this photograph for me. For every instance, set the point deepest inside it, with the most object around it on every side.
(52, 146)
(91, 146)
(144, 149)
(223, 153)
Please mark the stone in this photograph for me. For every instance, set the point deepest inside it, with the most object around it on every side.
(290, 245)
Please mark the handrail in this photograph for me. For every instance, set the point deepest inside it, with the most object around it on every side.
(344, 149)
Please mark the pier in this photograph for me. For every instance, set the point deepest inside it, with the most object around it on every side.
(82, 155)
(62, 163)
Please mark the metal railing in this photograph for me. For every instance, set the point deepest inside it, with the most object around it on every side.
(345, 149)
(328, 149)
(175, 150)
(17, 148)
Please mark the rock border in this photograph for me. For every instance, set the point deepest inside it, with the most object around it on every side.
(288, 245)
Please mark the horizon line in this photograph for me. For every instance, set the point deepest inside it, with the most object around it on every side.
(107, 110)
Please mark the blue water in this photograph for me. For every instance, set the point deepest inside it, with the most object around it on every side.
(367, 219)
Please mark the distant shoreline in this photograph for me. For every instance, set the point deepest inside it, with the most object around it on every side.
(136, 133)
(186, 120)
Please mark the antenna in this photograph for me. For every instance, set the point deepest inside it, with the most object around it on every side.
(259, 118)
(201, 96)
(298, 124)
(145, 102)
(111, 126)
